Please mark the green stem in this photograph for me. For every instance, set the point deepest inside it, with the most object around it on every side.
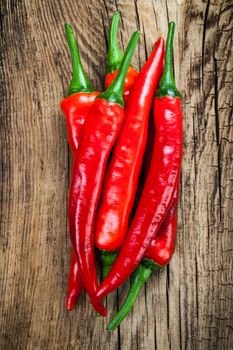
(115, 91)
(79, 81)
(139, 278)
(105, 271)
(115, 54)
(167, 86)
(107, 259)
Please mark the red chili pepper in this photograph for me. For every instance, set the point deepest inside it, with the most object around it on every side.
(121, 178)
(75, 107)
(163, 245)
(101, 128)
(158, 255)
(115, 56)
(160, 185)
(75, 283)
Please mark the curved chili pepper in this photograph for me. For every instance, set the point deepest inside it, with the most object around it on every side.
(122, 175)
(161, 182)
(75, 107)
(158, 255)
(115, 56)
(75, 283)
(100, 131)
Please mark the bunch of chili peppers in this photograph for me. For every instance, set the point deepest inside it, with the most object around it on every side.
(126, 145)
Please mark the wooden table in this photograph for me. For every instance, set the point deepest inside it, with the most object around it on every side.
(189, 304)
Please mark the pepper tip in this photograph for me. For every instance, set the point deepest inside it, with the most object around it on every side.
(99, 308)
(68, 26)
(70, 303)
(171, 25)
(116, 14)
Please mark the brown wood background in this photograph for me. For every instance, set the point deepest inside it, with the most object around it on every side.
(188, 305)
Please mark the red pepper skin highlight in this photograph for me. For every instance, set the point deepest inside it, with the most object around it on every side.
(100, 131)
(122, 175)
(75, 108)
(160, 185)
(130, 81)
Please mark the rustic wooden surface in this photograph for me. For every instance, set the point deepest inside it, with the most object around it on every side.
(188, 305)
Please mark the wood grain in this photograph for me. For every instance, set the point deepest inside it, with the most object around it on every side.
(189, 304)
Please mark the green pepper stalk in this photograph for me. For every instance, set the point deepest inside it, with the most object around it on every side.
(115, 91)
(139, 278)
(167, 86)
(115, 55)
(107, 259)
(79, 81)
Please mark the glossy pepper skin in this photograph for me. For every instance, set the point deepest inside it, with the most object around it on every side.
(161, 181)
(163, 245)
(100, 131)
(75, 107)
(122, 175)
(115, 56)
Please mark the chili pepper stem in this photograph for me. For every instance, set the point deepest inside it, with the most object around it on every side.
(139, 278)
(107, 259)
(115, 91)
(167, 86)
(105, 272)
(79, 81)
(115, 54)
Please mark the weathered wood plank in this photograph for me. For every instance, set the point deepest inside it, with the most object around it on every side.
(189, 304)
